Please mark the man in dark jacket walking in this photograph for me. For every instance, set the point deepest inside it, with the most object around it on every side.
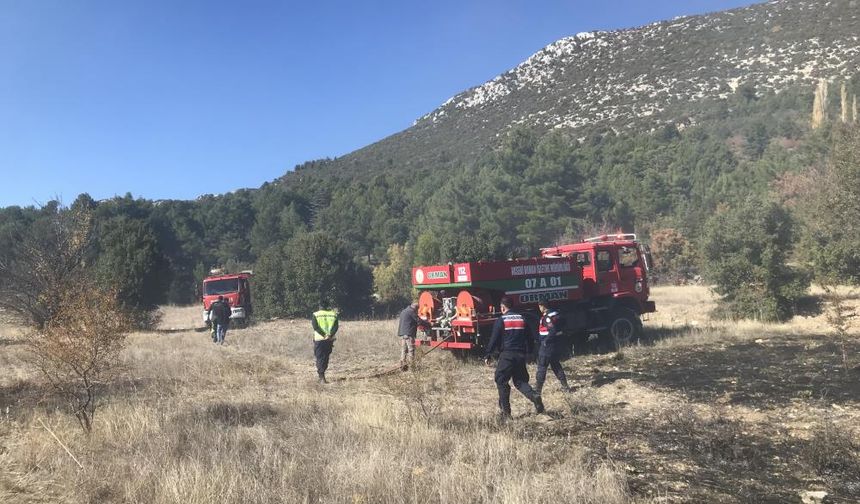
(219, 317)
(549, 347)
(514, 337)
(407, 328)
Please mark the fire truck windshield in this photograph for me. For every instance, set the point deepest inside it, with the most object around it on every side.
(214, 287)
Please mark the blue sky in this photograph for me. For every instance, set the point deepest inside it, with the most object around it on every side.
(178, 98)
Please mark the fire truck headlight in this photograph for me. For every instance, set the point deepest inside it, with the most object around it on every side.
(638, 286)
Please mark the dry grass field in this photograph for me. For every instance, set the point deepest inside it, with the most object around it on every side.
(702, 411)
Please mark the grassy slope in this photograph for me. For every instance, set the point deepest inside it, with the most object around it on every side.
(707, 412)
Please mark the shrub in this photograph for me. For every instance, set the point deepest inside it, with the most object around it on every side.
(130, 261)
(674, 256)
(78, 349)
(309, 271)
(831, 213)
(745, 250)
(392, 281)
(45, 258)
(269, 289)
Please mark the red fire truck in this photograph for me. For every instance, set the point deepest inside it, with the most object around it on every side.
(599, 285)
(236, 289)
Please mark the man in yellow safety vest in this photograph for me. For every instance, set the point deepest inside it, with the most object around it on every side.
(324, 323)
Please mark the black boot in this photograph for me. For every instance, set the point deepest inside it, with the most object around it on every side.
(322, 379)
(504, 399)
(538, 402)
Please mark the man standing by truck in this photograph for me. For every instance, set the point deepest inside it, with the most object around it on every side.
(219, 317)
(549, 347)
(513, 336)
(325, 324)
(407, 329)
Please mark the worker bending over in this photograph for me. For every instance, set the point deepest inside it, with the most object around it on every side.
(514, 337)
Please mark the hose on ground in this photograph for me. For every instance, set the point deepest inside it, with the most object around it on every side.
(394, 369)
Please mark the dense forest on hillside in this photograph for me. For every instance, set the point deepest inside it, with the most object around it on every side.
(536, 188)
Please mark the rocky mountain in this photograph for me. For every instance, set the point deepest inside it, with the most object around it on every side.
(636, 79)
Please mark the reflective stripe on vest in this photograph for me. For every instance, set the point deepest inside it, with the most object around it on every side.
(513, 322)
(325, 319)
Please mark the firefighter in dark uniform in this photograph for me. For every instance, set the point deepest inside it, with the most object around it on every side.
(549, 347)
(324, 323)
(514, 337)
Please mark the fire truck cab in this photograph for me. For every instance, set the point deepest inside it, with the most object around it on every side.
(236, 290)
(613, 267)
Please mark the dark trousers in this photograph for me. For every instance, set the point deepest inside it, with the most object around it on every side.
(544, 361)
(512, 365)
(322, 349)
(221, 331)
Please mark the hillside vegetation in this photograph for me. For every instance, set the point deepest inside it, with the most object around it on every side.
(532, 191)
(690, 117)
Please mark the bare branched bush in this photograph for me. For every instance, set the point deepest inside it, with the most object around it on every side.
(422, 391)
(78, 328)
(77, 350)
(46, 258)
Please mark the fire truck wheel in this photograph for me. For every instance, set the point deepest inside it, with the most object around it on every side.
(625, 327)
